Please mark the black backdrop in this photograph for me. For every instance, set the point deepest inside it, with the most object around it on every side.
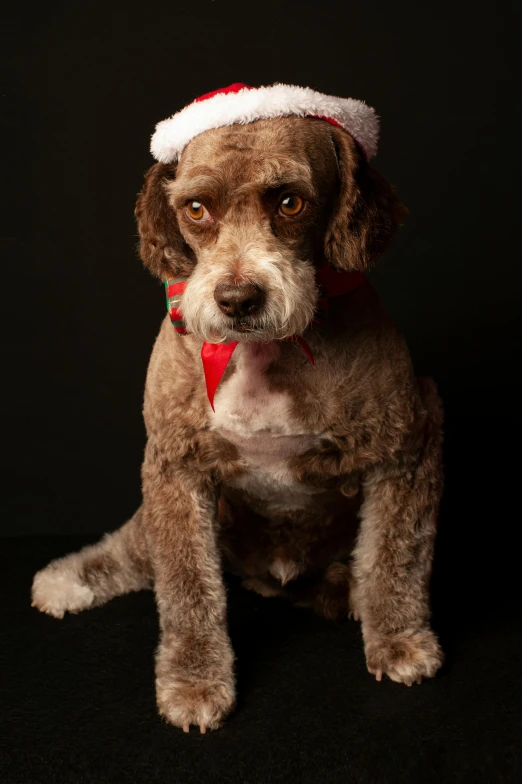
(85, 85)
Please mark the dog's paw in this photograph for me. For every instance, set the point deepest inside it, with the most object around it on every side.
(195, 679)
(57, 590)
(205, 704)
(405, 657)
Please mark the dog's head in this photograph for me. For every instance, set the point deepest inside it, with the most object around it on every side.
(250, 212)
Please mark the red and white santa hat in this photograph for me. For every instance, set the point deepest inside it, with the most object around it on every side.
(240, 104)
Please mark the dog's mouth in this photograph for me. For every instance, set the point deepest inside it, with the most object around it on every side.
(239, 329)
(243, 325)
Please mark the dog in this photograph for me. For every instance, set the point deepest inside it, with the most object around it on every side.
(319, 483)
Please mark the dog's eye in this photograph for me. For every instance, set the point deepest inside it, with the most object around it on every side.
(197, 211)
(291, 205)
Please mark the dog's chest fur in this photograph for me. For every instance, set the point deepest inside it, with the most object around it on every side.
(259, 421)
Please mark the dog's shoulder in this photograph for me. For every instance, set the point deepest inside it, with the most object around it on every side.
(362, 390)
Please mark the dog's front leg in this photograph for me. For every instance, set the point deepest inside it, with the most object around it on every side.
(392, 567)
(194, 663)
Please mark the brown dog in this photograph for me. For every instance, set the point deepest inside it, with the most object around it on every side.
(273, 485)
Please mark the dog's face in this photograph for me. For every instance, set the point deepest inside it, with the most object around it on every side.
(250, 212)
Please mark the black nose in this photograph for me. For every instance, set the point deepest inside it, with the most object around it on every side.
(239, 301)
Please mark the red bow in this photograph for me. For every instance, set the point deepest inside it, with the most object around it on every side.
(216, 356)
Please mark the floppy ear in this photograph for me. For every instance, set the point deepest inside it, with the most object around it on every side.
(162, 247)
(367, 212)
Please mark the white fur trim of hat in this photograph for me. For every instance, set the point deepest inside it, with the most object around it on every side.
(240, 104)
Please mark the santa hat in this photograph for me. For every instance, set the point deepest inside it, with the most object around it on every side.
(240, 104)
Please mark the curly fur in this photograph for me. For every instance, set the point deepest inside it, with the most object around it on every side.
(318, 484)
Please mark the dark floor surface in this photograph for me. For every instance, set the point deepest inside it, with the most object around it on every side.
(77, 703)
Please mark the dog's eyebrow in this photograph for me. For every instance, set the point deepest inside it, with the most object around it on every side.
(283, 172)
(208, 185)
(288, 182)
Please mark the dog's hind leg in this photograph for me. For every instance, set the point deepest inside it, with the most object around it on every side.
(117, 564)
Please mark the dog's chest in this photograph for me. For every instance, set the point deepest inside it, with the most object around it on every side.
(260, 422)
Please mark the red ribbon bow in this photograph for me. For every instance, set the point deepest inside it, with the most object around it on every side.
(216, 356)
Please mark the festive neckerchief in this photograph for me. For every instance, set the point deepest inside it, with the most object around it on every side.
(216, 356)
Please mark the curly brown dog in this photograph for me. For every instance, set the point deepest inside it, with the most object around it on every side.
(320, 483)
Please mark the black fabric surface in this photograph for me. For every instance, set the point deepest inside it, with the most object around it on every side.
(78, 694)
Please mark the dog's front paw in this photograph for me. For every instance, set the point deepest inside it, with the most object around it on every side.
(183, 701)
(195, 681)
(404, 657)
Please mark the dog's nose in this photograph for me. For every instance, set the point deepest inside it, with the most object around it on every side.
(239, 301)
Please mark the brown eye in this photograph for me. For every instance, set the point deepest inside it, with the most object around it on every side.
(291, 205)
(197, 211)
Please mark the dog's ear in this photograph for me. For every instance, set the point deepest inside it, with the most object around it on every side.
(162, 247)
(366, 214)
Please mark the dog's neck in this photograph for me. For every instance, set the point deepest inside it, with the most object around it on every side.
(216, 356)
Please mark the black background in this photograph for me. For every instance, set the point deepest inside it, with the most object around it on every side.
(85, 84)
